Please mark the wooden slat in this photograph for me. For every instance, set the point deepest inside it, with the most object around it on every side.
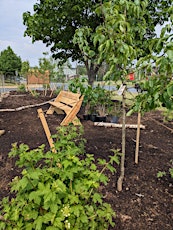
(46, 129)
(61, 106)
(71, 117)
(68, 94)
(68, 101)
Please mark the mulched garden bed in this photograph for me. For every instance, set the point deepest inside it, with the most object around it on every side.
(146, 202)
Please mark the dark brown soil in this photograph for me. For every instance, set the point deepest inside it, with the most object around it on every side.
(146, 202)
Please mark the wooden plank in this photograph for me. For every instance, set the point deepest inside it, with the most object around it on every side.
(68, 101)
(61, 106)
(46, 129)
(68, 94)
(106, 124)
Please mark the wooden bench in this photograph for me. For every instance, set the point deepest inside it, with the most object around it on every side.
(68, 103)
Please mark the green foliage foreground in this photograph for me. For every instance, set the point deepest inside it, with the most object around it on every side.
(58, 191)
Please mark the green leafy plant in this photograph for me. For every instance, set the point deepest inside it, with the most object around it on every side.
(34, 93)
(163, 173)
(115, 109)
(58, 190)
(21, 88)
(103, 100)
(168, 115)
(81, 85)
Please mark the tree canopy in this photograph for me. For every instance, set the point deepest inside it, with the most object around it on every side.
(9, 62)
(25, 68)
(55, 23)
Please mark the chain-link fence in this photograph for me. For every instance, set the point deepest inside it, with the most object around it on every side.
(2, 84)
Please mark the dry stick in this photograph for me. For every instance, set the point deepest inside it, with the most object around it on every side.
(52, 90)
(24, 107)
(137, 138)
(46, 129)
(45, 92)
(161, 124)
(113, 125)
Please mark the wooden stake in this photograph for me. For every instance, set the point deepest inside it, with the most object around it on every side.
(137, 138)
(46, 129)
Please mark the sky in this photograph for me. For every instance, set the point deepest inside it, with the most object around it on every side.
(12, 31)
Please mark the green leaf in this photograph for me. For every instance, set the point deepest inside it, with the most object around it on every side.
(73, 199)
(51, 228)
(170, 54)
(151, 83)
(67, 163)
(111, 168)
(58, 222)
(97, 198)
(102, 161)
(47, 217)
(170, 90)
(35, 174)
(171, 172)
(35, 196)
(129, 113)
(83, 218)
(54, 208)
(91, 53)
(38, 223)
(76, 210)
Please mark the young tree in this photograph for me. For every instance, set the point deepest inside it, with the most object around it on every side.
(55, 23)
(25, 68)
(9, 62)
(120, 40)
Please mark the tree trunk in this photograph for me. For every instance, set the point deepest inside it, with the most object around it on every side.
(92, 71)
(120, 180)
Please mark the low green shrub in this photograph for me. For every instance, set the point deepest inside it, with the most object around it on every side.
(35, 93)
(21, 88)
(170, 171)
(58, 190)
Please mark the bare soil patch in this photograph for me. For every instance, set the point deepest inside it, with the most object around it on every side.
(146, 202)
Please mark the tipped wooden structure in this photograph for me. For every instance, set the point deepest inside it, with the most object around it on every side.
(67, 103)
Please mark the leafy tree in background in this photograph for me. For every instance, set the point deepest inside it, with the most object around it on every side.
(55, 23)
(25, 68)
(47, 64)
(9, 62)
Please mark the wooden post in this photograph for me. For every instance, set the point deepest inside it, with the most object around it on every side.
(46, 129)
(137, 138)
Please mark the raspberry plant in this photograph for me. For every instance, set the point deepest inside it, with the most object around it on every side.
(58, 190)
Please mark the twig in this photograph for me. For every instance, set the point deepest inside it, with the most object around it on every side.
(106, 124)
(161, 124)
